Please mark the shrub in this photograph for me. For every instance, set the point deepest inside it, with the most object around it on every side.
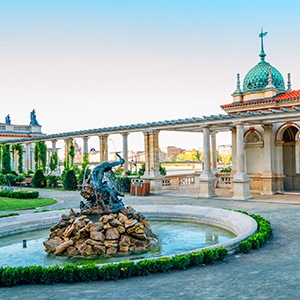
(19, 194)
(11, 179)
(70, 181)
(196, 258)
(181, 261)
(123, 184)
(52, 181)
(39, 179)
(110, 272)
(245, 246)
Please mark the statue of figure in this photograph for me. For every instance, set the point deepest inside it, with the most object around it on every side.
(7, 120)
(96, 190)
(33, 120)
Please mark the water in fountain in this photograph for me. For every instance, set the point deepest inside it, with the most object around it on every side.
(174, 236)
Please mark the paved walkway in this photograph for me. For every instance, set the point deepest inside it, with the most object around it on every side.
(272, 272)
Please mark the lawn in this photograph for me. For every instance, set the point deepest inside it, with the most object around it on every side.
(18, 204)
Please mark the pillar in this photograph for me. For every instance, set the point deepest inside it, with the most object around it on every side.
(85, 144)
(267, 176)
(207, 179)
(28, 157)
(125, 151)
(68, 143)
(241, 180)
(151, 147)
(233, 149)
(103, 148)
(213, 142)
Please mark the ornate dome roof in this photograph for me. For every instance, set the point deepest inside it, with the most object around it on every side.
(257, 78)
(263, 74)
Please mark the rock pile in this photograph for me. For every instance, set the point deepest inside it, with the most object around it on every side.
(77, 234)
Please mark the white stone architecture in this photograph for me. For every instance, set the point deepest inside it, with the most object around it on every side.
(264, 119)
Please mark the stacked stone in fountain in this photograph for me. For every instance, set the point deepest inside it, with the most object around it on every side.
(78, 235)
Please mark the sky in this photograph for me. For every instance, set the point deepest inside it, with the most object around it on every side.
(96, 63)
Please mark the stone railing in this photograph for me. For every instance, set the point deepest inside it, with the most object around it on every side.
(182, 181)
(188, 181)
(224, 180)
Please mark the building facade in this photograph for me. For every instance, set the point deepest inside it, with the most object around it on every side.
(271, 150)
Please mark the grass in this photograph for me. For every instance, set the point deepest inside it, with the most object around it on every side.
(19, 204)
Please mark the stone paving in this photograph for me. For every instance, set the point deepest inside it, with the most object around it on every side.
(272, 272)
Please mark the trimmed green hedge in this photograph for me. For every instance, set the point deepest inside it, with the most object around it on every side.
(70, 273)
(19, 194)
(256, 241)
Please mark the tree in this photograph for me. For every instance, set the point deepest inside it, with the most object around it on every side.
(53, 162)
(192, 155)
(40, 155)
(6, 161)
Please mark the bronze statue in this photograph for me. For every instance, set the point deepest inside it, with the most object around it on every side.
(99, 194)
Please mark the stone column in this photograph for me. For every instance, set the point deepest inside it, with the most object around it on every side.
(54, 150)
(125, 151)
(85, 144)
(241, 180)
(207, 179)
(267, 176)
(151, 147)
(233, 149)
(68, 142)
(15, 160)
(213, 143)
(28, 157)
(103, 148)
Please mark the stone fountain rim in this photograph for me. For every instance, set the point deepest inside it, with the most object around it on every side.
(240, 224)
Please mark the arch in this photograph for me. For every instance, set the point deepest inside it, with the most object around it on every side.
(252, 135)
(287, 137)
(279, 135)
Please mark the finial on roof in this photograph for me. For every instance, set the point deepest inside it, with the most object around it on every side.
(270, 80)
(289, 85)
(238, 84)
(262, 52)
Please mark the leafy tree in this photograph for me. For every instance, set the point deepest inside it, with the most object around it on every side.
(6, 161)
(162, 170)
(53, 162)
(193, 155)
(72, 154)
(40, 155)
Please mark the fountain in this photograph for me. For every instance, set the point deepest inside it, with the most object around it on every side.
(103, 226)
(107, 230)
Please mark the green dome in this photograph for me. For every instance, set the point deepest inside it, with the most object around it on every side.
(257, 78)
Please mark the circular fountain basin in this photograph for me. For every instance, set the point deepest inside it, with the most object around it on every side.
(240, 226)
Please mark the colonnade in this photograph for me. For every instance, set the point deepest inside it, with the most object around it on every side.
(151, 148)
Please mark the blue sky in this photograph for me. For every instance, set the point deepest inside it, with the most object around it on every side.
(89, 64)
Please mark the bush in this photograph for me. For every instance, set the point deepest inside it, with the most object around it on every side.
(53, 181)
(123, 184)
(257, 240)
(39, 179)
(19, 194)
(70, 181)
(11, 179)
(181, 261)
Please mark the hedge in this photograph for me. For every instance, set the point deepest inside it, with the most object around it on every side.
(19, 194)
(256, 241)
(12, 276)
